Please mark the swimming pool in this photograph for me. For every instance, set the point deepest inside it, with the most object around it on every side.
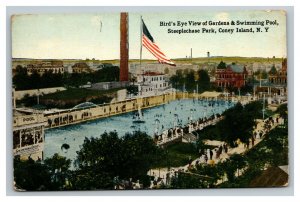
(161, 117)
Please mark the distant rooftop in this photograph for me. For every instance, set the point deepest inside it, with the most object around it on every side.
(237, 68)
(152, 74)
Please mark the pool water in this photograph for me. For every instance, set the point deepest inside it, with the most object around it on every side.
(178, 112)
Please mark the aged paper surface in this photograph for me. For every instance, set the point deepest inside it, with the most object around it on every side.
(150, 100)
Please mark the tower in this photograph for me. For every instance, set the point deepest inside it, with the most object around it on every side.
(124, 46)
(208, 55)
(284, 65)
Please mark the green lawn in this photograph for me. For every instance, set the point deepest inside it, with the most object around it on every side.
(78, 93)
(178, 155)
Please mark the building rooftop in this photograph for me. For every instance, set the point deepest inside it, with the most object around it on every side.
(210, 94)
(81, 65)
(272, 177)
(237, 68)
(152, 74)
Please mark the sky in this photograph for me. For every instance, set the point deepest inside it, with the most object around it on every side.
(97, 35)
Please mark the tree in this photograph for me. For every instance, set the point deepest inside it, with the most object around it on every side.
(276, 145)
(139, 154)
(132, 89)
(253, 109)
(282, 110)
(166, 71)
(31, 176)
(204, 80)
(50, 79)
(264, 74)
(190, 80)
(35, 80)
(49, 175)
(221, 65)
(238, 162)
(130, 156)
(177, 80)
(58, 167)
(105, 74)
(237, 124)
(21, 79)
(273, 70)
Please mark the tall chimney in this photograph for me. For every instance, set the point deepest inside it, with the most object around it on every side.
(124, 47)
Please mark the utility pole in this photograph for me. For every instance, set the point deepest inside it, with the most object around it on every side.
(263, 111)
(197, 92)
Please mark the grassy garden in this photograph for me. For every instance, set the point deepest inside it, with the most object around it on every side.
(69, 98)
(178, 154)
(78, 93)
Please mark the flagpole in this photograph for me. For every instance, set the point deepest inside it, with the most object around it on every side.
(141, 45)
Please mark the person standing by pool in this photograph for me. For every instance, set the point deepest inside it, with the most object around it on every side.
(210, 154)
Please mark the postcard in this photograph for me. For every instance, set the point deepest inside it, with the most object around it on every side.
(156, 100)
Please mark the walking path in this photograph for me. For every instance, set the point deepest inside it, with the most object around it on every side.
(262, 128)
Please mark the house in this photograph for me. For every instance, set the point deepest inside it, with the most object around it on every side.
(279, 77)
(56, 66)
(81, 67)
(152, 83)
(231, 76)
(28, 135)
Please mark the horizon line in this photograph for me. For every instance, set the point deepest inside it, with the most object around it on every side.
(145, 58)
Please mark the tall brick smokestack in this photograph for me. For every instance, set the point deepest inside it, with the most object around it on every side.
(124, 47)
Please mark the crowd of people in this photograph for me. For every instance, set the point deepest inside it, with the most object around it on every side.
(179, 131)
(212, 156)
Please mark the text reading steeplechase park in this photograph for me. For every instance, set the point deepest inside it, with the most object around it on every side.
(214, 27)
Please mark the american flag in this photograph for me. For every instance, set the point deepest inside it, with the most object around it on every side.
(148, 42)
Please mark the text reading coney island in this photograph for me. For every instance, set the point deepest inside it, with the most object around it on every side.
(223, 27)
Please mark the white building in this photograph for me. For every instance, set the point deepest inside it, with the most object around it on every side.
(28, 135)
(152, 83)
